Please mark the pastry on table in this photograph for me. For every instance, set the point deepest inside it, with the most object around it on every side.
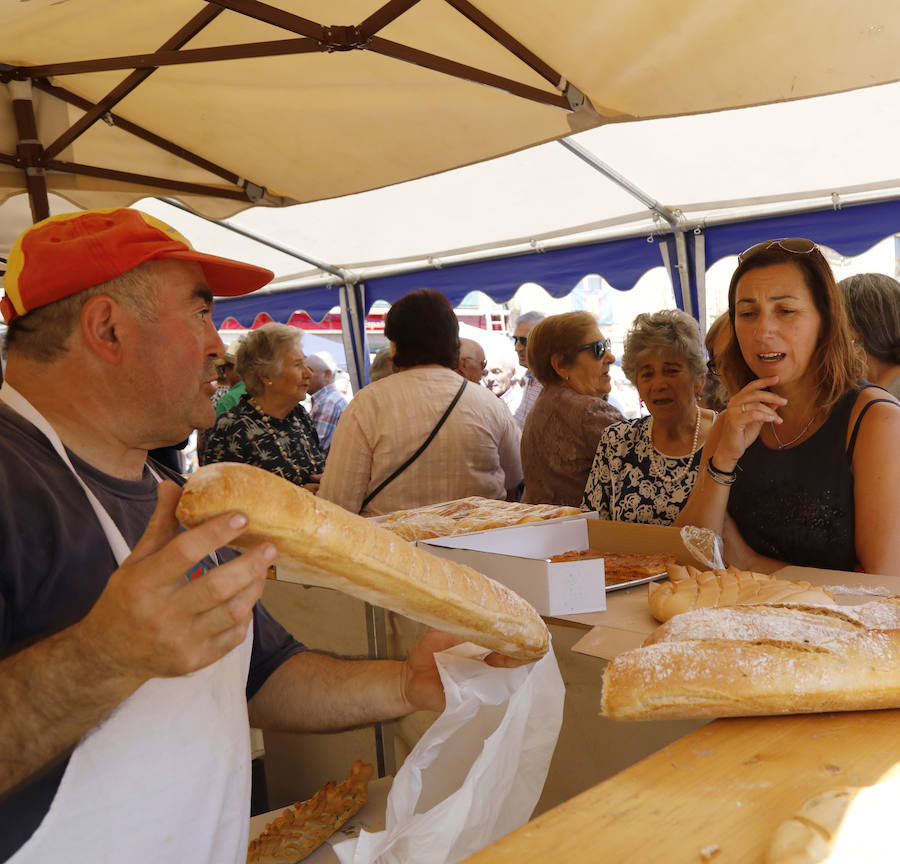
(689, 588)
(301, 829)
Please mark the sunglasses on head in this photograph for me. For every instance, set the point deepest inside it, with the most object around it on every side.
(795, 245)
(598, 346)
(519, 340)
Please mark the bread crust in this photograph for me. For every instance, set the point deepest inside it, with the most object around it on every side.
(754, 660)
(323, 544)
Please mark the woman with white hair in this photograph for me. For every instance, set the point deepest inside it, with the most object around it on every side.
(269, 428)
(645, 468)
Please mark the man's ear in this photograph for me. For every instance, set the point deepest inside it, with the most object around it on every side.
(101, 322)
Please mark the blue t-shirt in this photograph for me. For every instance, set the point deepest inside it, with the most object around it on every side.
(54, 564)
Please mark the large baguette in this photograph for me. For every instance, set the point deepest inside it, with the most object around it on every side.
(325, 545)
(750, 660)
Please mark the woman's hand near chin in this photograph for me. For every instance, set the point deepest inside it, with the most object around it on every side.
(747, 412)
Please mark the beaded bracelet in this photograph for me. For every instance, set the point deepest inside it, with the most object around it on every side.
(724, 478)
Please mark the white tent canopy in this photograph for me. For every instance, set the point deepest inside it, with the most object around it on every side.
(272, 102)
(227, 103)
(826, 151)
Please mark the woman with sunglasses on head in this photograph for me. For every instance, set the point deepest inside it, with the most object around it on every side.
(644, 469)
(803, 467)
(570, 358)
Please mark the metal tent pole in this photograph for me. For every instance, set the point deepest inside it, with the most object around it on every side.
(663, 212)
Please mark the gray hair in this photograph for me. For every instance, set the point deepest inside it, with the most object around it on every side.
(668, 329)
(327, 360)
(529, 318)
(262, 352)
(873, 305)
(41, 335)
(501, 354)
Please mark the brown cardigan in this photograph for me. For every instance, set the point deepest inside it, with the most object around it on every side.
(559, 442)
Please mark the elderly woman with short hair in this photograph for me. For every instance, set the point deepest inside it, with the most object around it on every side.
(645, 468)
(571, 358)
(269, 428)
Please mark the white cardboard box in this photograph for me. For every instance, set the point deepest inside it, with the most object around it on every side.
(517, 557)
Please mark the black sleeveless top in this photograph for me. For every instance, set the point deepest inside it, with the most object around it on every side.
(797, 505)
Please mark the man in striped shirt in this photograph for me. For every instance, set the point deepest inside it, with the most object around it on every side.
(328, 403)
(531, 387)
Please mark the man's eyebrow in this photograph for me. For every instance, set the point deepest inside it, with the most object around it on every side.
(201, 292)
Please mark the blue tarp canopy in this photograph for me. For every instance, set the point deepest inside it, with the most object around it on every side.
(850, 230)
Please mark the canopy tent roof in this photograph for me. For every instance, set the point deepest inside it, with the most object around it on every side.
(545, 215)
(232, 102)
(225, 103)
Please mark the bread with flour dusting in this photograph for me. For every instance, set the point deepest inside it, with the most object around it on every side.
(750, 660)
(325, 545)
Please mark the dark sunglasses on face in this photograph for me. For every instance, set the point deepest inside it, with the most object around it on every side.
(519, 340)
(598, 346)
(795, 245)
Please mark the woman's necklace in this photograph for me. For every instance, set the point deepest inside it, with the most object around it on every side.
(794, 440)
(683, 469)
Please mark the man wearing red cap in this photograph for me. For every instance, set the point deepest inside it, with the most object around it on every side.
(125, 685)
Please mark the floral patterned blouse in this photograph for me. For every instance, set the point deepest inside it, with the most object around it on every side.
(631, 481)
(288, 447)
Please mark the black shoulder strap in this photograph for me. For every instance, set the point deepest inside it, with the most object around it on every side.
(851, 446)
(418, 452)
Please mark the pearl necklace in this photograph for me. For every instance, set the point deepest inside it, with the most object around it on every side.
(682, 472)
(796, 438)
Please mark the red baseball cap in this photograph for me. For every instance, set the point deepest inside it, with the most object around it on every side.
(65, 254)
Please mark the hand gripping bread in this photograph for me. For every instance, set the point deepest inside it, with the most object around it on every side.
(750, 660)
(689, 588)
(325, 545)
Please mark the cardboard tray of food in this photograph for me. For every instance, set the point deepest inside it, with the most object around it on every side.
(519, 557)
(469, 515)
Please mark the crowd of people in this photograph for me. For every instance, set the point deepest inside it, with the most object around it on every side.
(779, 433)
(535, 422)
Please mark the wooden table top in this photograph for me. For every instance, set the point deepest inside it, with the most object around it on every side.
(715, 795)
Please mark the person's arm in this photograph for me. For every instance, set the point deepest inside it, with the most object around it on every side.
(510, 452)
(735, 429)
(876, 479)
(313, 692)
(738, 553)
(148, 622)
(348, 469)
(596, 490)
(595, 419)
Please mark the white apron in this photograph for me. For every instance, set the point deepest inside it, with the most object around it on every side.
(166, 776)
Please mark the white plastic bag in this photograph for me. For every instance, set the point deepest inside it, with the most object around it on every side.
(478, 771)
